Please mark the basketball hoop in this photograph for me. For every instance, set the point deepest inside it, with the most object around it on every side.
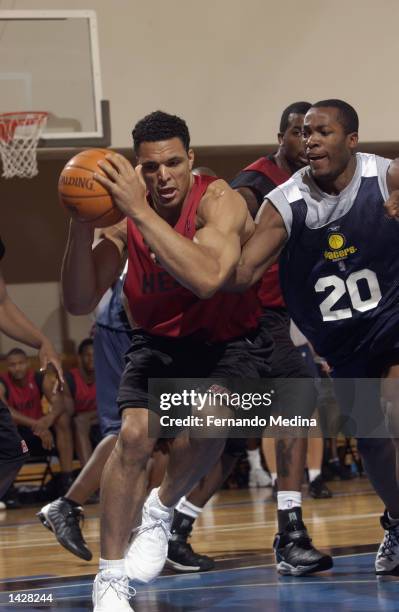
(19, 136)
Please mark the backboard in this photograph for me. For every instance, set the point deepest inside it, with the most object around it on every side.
(50, 61)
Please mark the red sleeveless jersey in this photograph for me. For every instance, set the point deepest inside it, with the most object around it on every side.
(163, 307)
(269, 291)
(26, 399)
(85, 394)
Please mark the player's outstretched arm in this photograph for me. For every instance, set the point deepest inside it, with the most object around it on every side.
(87, 273)
(261, 250)
(16, 325)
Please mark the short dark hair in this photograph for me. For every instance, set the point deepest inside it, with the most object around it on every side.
(160, 126)
(347, 115)
(299, 108)
(85, 343)
(16, 351)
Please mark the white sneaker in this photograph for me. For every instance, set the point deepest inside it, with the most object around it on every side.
(259, 478)
(146, 554)
(112, 592)
(387, 560)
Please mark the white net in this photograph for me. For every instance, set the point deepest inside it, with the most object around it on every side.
(19, 136)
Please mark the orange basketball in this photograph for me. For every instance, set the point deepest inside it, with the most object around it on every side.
(83, 198)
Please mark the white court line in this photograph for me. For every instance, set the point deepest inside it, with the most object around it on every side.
(211, 587)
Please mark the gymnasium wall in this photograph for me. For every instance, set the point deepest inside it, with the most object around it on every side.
(228, 67)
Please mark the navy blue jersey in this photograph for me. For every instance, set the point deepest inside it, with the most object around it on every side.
(339, 269)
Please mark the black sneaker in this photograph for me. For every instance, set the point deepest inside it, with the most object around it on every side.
(318, 489)
(182, 558)
(295, 553)
(337, 471)
(63, 518)
(10, 500)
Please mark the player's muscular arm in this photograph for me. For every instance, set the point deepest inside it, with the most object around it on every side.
(204, 263)
(86, 272)
(262, 249)
(392, 204)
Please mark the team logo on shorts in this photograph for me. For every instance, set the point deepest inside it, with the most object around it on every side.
(337, 243)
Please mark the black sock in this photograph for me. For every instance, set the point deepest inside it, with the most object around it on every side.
(292, 515)
(70, 501)
(182, 525)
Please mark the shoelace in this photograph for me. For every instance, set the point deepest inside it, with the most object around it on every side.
(391, 540)
(120, 589)
(155, 523)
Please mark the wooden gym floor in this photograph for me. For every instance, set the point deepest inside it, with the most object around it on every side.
(237, 528)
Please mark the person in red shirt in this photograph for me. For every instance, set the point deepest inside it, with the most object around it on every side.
(80, 392)
(14, 324)
(21, 389)
(184, 239)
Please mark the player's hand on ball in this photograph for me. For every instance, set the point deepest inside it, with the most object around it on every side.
(392, 205)
(124, 183)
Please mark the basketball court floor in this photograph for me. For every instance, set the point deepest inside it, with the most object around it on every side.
(237, 528)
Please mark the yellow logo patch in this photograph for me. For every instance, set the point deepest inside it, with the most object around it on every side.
(336, 242)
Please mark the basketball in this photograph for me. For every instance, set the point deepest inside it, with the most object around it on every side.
(83, 198)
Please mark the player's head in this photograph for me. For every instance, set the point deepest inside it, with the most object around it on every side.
(162, 146)
(290, 134)
(331, 137)
(17, 364)
(86, 355)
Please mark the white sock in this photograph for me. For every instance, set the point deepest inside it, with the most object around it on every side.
(313, 474)
(155, 499)
(274, 477)
(288, 499)
(254, 459)
(112, 567)
(188, 508)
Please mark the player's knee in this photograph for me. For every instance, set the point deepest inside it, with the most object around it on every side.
(134, 442)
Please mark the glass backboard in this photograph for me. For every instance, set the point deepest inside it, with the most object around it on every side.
(49, 61)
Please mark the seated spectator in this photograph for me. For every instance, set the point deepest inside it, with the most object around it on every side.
(21, 389)
(80, 392)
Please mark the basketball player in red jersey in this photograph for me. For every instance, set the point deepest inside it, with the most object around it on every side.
(194, 227)
(14, 324)
(80, 393)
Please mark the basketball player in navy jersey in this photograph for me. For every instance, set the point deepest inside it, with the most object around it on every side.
(330, 226)
(194, 226)
(14, 324)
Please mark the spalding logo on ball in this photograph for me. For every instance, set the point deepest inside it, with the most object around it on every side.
(84, 198)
